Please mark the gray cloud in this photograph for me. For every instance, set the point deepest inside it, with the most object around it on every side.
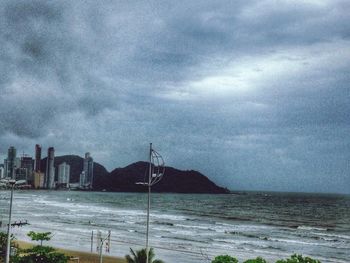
(253, 94)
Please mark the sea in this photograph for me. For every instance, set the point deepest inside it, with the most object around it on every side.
(189, 228)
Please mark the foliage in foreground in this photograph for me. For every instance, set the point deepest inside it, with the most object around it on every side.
(224, 259)
(3, 244)
(293, 259)
(298, 259)
(39, 236)
(257, 260)
(140, 256)
(40, 254)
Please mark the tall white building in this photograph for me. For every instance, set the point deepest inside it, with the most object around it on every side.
(64, 174)
(5, 167)
(2, 172)
(88, 171)
(82, 180)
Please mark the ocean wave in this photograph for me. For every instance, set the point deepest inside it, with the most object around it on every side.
(246, 226)
(235, 218)
(186, 239)
(251, 245)
(250, 235)
(195, 227)
(299, 242)
(333, 236)
(163, 223)
(181, 232)
(310, 228)
(168, 217)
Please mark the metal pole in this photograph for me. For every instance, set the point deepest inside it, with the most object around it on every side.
(8, 249)
(109, 241)
(101, 247)
(149, 199)
(92, 240)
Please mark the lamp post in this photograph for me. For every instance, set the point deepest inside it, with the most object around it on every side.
(101, 248)
(155, 174)
(8, 248)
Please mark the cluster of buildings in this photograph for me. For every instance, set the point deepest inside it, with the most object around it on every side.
(29, 173)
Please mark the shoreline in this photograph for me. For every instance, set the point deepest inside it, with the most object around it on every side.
(84, 257)
(231, 192)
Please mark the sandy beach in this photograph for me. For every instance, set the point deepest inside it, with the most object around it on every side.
(84, 257)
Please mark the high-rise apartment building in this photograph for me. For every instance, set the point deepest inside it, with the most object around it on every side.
(50, 169)
(39, 178)
(89, 171)
(82, 178)
(11, 162)
(37, 164)
(25, 169)
(2, 172)
(64, 174)
(5, 168)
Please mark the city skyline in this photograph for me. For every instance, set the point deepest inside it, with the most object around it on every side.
(30, 174)
(252, 94)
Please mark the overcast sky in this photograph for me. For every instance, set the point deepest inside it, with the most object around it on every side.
(254, 94)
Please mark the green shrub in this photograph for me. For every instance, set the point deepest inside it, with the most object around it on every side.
(40, 254)
(224, 259)
(298, 259)
(257, 260)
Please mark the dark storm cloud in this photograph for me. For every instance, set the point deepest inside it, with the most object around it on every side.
(46, 67)
(254, 94)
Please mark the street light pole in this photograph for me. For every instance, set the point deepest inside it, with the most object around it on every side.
(149, 198)
(155, 174)
(8, 248)
(101, 247)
